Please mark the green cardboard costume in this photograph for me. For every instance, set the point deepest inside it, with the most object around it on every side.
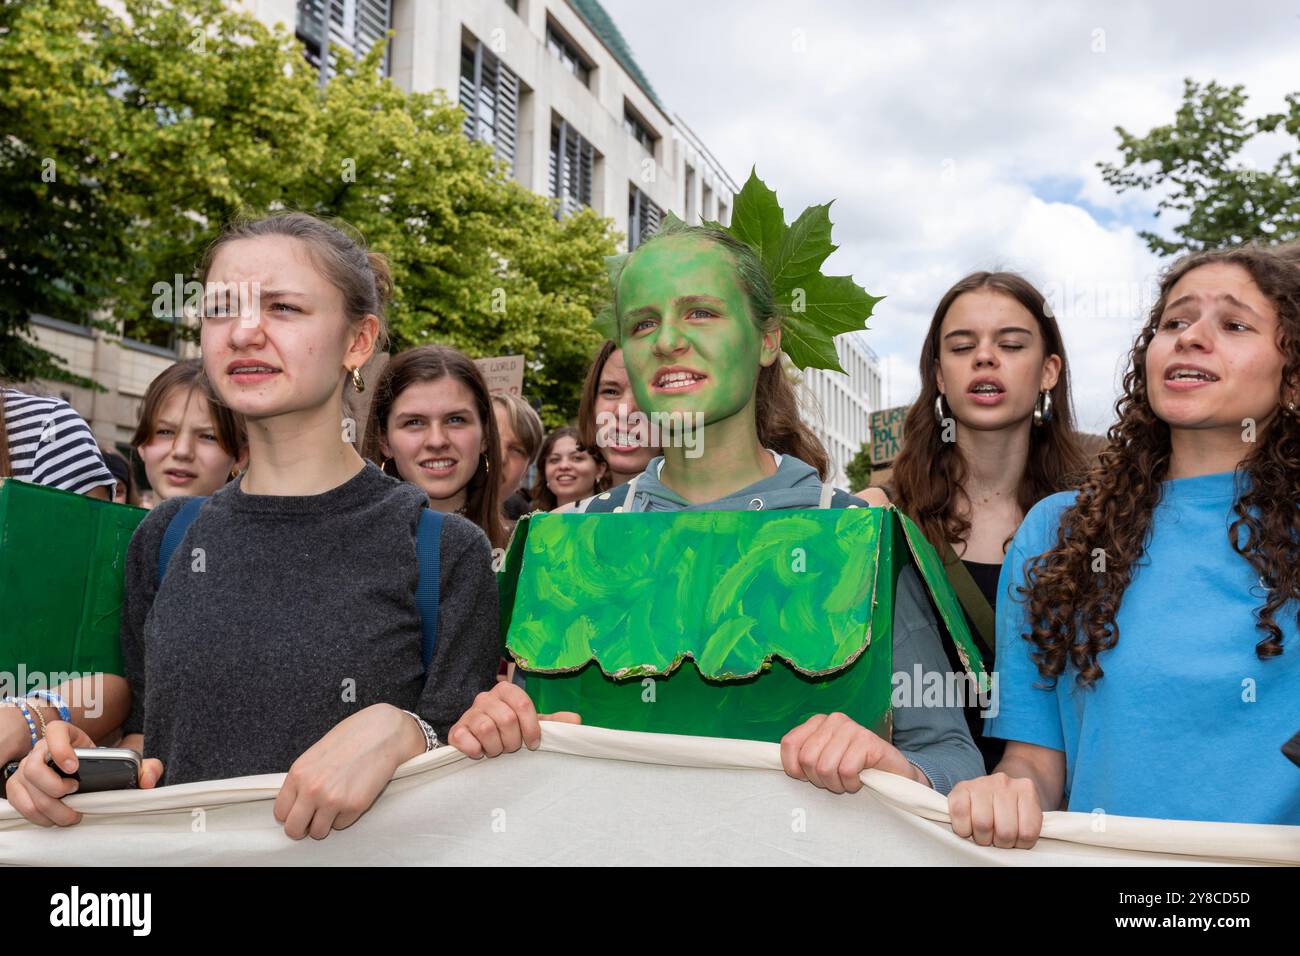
(62, 560)
(739, 623)
(726, 623)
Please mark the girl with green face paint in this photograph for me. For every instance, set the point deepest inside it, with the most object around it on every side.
(693, 350)
(701, 340)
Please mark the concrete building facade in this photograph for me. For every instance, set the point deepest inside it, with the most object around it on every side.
(838, 406)
(551, 85)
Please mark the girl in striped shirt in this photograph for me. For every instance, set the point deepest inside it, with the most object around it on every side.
(44, 441)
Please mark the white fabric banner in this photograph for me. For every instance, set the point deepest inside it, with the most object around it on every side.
(592, 796)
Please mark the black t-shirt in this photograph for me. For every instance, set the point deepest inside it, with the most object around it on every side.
(986, 579)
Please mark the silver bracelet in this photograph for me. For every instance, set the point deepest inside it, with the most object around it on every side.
(430, 738)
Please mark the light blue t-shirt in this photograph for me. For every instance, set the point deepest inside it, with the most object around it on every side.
(1186, 723)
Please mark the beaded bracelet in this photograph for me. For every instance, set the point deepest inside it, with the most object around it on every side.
(430, 737)
(55, 701)
(27, 715)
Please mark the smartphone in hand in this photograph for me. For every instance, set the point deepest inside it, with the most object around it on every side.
(103, 768)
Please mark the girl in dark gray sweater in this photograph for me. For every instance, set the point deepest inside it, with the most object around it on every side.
(285, 635)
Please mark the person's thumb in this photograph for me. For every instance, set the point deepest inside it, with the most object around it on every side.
(151, 772)
(561, 717)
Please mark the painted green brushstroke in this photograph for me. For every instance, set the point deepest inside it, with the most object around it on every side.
(637, 594)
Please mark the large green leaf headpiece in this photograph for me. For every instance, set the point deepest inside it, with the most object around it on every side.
(814, 308)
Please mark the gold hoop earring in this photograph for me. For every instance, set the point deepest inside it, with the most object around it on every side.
(358, 382)
(487, 465)
(384, 466)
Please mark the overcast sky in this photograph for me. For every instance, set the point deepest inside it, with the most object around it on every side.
(964, 137)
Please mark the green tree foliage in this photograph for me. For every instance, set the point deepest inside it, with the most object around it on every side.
(858, 470)
(132, 138)
(1196, 160)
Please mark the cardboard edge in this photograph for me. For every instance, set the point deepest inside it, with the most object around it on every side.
(652, 670)
(508, 577)
(963, 652)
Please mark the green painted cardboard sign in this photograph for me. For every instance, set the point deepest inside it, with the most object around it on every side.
(723, 623)
(62, 566)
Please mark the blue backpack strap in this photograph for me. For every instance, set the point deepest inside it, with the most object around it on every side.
(175, 532)
(428, 549)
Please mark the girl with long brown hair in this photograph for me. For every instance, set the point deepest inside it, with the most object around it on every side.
(991, 434)
(1148, 665)
(287, 632)
(432, 424)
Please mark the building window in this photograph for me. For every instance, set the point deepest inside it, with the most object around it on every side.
(638, 129)
(706, 202)
(489, 94)
(722, 213)
(643, 218)
(572, 162)
(689, 204)
(567, 52)
(356, 25)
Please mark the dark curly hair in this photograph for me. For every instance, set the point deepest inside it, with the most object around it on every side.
(1071, 607)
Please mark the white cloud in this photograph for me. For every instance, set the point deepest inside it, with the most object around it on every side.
(932, 129)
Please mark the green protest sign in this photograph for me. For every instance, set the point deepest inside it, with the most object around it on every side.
(62, 563)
